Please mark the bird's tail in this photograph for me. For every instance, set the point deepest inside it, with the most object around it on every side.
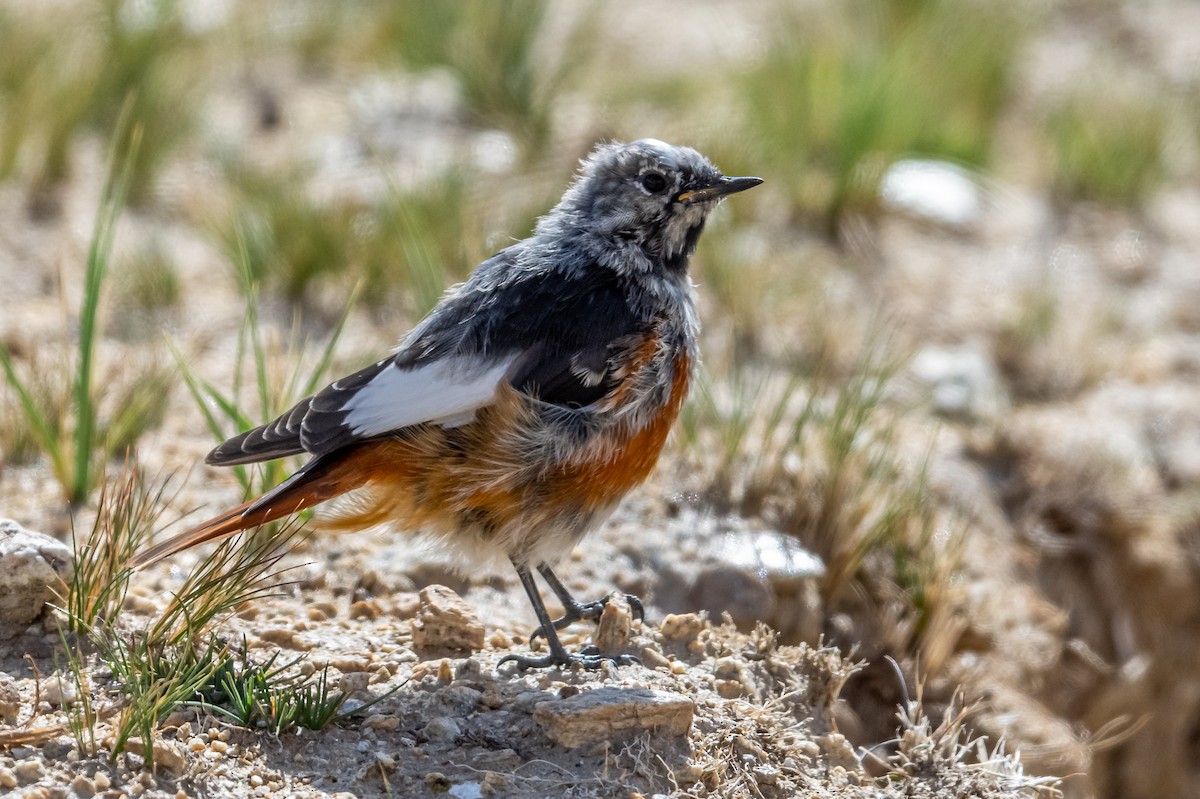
(321, 479)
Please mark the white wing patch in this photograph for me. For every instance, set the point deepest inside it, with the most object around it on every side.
(447, 392)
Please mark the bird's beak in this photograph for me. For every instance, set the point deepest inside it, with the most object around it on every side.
(719, 189)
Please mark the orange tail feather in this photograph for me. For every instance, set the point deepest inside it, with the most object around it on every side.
(323, 478)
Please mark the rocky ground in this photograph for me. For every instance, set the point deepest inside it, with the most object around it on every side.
(1048, 397)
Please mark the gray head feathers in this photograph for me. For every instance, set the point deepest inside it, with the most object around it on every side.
(646, 193)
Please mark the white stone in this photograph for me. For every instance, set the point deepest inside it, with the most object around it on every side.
(33, 565)
(934, 191)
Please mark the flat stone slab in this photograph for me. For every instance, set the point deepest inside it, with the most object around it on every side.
(609, 713)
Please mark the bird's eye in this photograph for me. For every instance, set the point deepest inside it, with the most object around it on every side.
(653, 182)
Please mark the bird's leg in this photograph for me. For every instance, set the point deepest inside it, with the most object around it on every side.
(558, 654)
(574, 610)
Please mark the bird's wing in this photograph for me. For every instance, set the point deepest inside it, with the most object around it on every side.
(550, 336)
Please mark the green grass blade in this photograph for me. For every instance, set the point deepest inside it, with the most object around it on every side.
(43, 430)
(115, 193)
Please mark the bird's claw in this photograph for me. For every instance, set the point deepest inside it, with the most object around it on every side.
(589, 658)
(590, 611)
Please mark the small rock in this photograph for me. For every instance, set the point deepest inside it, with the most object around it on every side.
(60, 691)
(367, 609)
(10, 699)
(354, 683)
(457, 701)
(683, 626)
(34, 566)
(442, 730)
(444, 621)
(28, 770)
(280, 636)
(606, 713)
(58, 748)
(83, 787)
(963, 382)
(652, 658)
(467, 790)
(380, 722)
(168, 755)
(612, 631)
(729, 689)
(933, 191)
(437, 782)
(745, 595)
(527, 701)
(405, 605)
(8, 779)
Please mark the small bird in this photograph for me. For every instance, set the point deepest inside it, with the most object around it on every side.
(521, 410)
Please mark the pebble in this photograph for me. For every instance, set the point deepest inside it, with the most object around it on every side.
(8, 778)
(963, 381)
(381, 722)
(83, 787)
(654, 659)
(444, 621)
(457, 700)
(442, 730)
(28, 770)
(682, 626)
(612, 631)
(10, 699)
(354, 682)
(933, 191)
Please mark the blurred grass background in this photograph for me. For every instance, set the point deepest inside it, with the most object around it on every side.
(290, 153)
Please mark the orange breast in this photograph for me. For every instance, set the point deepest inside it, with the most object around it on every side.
(628, 458)
(476, 476)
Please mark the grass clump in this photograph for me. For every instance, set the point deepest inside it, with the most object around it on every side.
(844, 90)
(405, 247)
(819, 457)
(275, 388)
(1106, 143)
(148, 282)
(508, 74)
(67, 72)
(174, 658)
(81, 426)
(272, 697)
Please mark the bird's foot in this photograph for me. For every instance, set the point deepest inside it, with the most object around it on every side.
(589, 658)
(590, 611)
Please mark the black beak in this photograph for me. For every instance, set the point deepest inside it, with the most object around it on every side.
(719, 189)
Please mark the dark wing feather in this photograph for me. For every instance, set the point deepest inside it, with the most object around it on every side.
(563, 329)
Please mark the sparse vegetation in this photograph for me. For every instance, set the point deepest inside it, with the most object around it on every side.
(71, 430)
(70, 73)
(148, 281)
(276, 388)
(286, 180)
(844, 90)
(819, 458)
(404, 248)
(509, 72)
(1106, 142)
(177, 656)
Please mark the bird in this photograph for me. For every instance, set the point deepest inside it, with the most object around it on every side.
(517, 414)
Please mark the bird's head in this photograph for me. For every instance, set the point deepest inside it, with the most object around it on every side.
(650, 192)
